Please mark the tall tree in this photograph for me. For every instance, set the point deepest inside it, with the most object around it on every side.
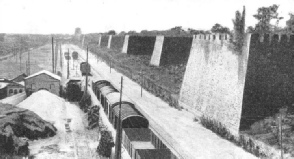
(290, 23)
(217, 28)
(111, 32)
(264, 16)
(239, 28)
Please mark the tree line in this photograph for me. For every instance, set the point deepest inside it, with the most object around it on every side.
(265, 16)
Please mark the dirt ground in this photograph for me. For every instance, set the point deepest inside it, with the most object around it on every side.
(73, 140)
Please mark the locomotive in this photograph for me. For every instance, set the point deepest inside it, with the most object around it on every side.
(85, 69)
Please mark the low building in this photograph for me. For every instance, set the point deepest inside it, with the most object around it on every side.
(20, 79)
(9, 88)
(43, 80)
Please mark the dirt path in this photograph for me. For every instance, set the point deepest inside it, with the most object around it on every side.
(73, 142)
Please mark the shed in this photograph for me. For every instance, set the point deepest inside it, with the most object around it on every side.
(43, 80)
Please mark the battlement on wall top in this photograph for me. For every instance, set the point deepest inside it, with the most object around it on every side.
(272, 38)
(212, 37)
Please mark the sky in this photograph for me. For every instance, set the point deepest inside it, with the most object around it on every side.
(95, 16)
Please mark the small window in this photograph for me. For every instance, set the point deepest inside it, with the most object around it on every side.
(15, 91)
(10, 91)
(20, 91)
(51, 86)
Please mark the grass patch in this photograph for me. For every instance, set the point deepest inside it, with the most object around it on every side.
(164, 81)
(246, 143)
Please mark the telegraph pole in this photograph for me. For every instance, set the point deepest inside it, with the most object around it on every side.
(68, 65)
(52, 54)
(119, 126)
(29, 63)
(20, 59)
(86, 89)
(60, 56)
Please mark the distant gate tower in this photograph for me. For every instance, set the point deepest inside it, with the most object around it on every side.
(78, 33)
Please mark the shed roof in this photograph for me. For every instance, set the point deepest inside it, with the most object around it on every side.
(44, 72)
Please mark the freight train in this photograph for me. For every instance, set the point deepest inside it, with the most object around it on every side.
(138, 139)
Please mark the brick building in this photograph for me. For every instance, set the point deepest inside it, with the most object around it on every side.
(9, 88)
(43, 80)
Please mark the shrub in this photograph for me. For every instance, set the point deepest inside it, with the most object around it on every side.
(222, 131)
(85, 102)
(105, 145)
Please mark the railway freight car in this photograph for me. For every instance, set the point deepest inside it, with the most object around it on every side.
(85, 69)
(138, 139)
(110, 101)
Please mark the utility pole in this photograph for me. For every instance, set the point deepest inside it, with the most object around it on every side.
(60, 56)
(119, 125)
(29, 63)
(56, 55)
(20, 59)
(68, 65)
(52, 54)
(86, 89)
(72, 62)
(281, 135)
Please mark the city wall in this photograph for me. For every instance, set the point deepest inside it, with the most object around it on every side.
(236, 88)
(214, 80)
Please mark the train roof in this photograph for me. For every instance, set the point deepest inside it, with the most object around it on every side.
(138, 134)
(127, 111)
(107, 89)
(100, 84)
(115, 98)
(154, 153)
